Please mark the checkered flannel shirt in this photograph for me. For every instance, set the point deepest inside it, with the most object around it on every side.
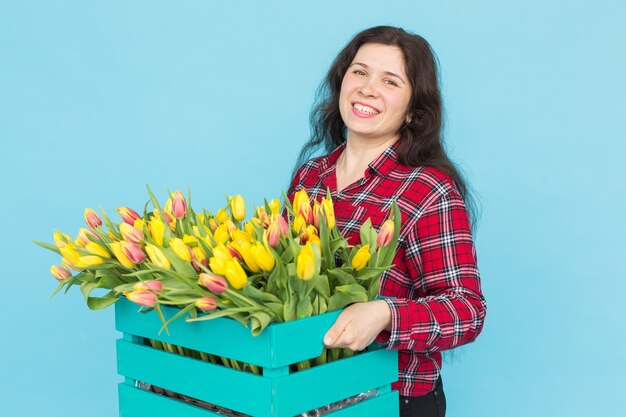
(433, 290)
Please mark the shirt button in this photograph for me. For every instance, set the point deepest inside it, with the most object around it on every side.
(406, 401)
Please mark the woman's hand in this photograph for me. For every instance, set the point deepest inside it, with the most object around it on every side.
(358, 325)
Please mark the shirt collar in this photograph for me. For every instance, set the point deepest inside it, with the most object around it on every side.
(384, 163)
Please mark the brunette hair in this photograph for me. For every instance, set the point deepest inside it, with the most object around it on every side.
(420, 141)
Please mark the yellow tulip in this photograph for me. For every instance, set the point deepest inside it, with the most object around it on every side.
(218, 265)
(89, 260)
(116, 247)
(238, 207)
(221, 234)
(361, 257)
(59, 272)
(95, 249)
(190, 239)
(180, 249)
(299, 223)
(305, 263)
(241, 236)
(245, 249)
(69, 252)
(385, 233)
(200, 217)
(198, 258)
(275, 206)
(329, 212)
(263, 257)
(157, 257)
(157, 230)
(302, 205)
(222, 216)
(235, 274)
(61, 239)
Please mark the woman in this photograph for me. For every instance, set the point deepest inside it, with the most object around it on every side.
(380, 120)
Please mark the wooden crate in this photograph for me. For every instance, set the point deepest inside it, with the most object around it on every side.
(277, 393)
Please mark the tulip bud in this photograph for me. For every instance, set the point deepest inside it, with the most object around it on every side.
(59, 272)
(238, 207)
(273, 234)
(144, 298)
(221, 234)
(150, 285)
(214, 283)
(385, 234)
(275, 206)
(302, 206)
(83, 238)
(88, 261)
(157, 230)
(198, 258)
(138, 224)
(361, 257)
(316, 214)
(133, 252)
(222, 216)
(233, 251)
(305, 263)
(116, 247)
(299, 223)
(130, 233)
(179, 206)
(180, 249)
(61, 239)
(235, 274)
(263, 257)
(66, 263)
(329, 212)
(282, 223)
(128, 215)
(309, 232)
(213, 225)
(69, 252)
(92, 219)
(168, 205)
(157, 257)
(218, 265)
(207, 303)
(96, 249)
(188, 239)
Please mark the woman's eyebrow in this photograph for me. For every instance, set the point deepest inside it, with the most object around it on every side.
(384, 72)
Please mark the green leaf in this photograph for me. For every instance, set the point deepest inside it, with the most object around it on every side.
(176, 316)
(180, 265)
(258, 295)
(304, 308)
(233, 312)
(49, 246)
(154, 200)
(87, 287)
(372, 291)
(59, 288)
(370, 272)
(277, 309)
(342, 299)
(98, 303)
(322, 286)
(258, 322)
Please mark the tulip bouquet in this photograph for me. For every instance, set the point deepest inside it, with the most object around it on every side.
(285, 263)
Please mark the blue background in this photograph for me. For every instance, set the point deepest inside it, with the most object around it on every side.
(98, 99)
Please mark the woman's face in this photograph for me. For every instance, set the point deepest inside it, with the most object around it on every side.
(375, 93)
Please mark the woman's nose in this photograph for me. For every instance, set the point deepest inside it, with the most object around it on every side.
(368, 88)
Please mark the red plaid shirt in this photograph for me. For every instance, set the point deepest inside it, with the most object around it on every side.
(434, 288)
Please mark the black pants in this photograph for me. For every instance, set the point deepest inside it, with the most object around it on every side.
(432, 404)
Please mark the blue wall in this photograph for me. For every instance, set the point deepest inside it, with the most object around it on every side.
(99, 98)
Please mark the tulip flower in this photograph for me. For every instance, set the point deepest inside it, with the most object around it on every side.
(168, 205)
(273, 233)
(263, 257)
(214, 283)
(83, 238)
(61, 239)
(316, 214)
(241, 235)
(218, 265)
(302, 205)
(329, 212)
(188, 239)
(68, 264)
(361, 257)
(299, 223)
(305, 263)
(282, 223)
(180, 249)
(88, 261)
(385, 234)
(133, 252)
(59, 272)
(157, 257)
(274, 206)
(128, 215)
(263, 217)
(92, 219)
(222, 216)
(245, 249)
(116, 247)
(130, 233)
(144, 298)
(150, 285)
(96, 249)
(138, 224)
(309, 233)
(221, 234)
(69, 252)
(198, 258)
(207, 303)
(233, 251)
(238, 207)
(157, 230)
(213, 225)
(179, 206)
(235, 274)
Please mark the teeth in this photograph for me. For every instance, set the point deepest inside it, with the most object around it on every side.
(365, 109)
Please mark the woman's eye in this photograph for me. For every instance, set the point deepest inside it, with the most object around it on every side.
(392, 82)
(359, 72)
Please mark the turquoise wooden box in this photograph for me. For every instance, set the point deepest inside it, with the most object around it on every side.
(277, 393)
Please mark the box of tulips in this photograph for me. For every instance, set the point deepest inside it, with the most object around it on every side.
(225, 317)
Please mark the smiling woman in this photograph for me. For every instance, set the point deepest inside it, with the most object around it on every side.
(379, 119)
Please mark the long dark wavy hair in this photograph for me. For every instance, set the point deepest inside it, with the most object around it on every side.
(420, 141)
